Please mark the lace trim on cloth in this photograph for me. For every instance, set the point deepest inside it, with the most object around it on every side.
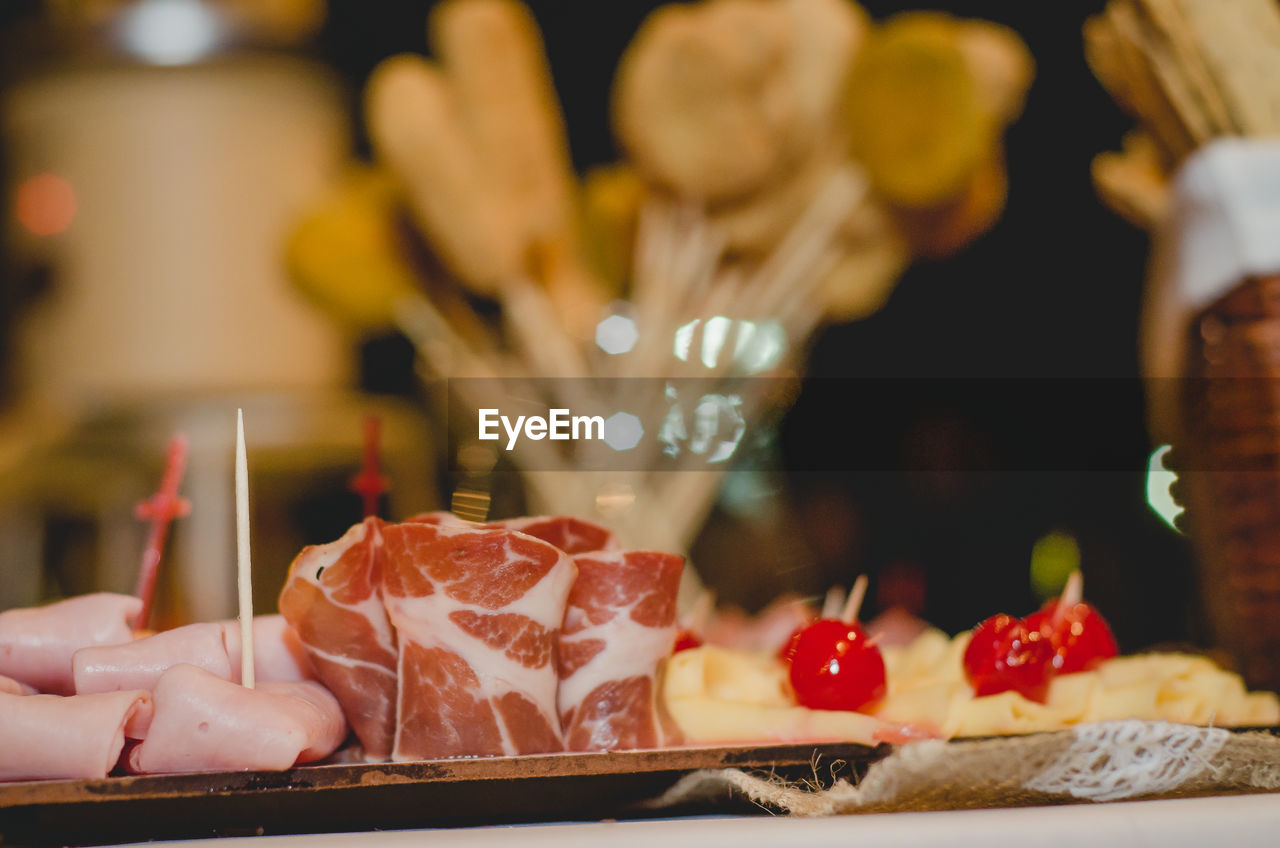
(1103, 761)
(1111, 761)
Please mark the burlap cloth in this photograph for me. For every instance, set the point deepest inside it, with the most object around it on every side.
(1103, 761)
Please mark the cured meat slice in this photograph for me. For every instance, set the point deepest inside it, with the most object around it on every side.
(331, 600)
(278, 653)
(47, 737)
(477, 616)
(139, 664)
(438, 517)
(205, 723)
(569, 534)
(619, 627)
(37, 643)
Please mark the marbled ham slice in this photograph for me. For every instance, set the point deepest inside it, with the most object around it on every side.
(619, 627)
(37, 643)
(569, 534)
(477, 616)
(331, 600)
(437, 517)
(205, 723)
(48, 737)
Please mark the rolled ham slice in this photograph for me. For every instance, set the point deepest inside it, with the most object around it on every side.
(619, 627)
(37, 643)
(205, 723)
(437, 517)
(477, 615)
(278, 652)
(9, 686)
(332, 602)
(140, 663)
(47, 737)
(569, 534)
(214, 646)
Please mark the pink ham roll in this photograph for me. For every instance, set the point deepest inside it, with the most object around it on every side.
(278, 654)
(37, 643)
(140, 663)
(477, 614)
(47, 737)
(9, 686)
(213, 646)
(619, 627)
(205, 723)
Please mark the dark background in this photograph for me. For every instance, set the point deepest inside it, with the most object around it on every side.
(1051, 292)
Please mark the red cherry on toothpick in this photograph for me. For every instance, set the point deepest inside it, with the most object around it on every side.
(1006, 654)
(834, 667)
(1080, 636)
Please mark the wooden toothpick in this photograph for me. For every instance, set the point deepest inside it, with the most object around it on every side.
(832, 603)
(1072, 594)
(244, 573)
(854, 604)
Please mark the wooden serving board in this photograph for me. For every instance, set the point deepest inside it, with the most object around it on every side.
(309, 799)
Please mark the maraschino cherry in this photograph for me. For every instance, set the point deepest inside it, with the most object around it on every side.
(1006, 654)
(831, 607)
(695, 622)
(686, 640)
(833, 665)
(1080, 636)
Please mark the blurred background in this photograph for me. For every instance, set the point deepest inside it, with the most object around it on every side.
(155, 162)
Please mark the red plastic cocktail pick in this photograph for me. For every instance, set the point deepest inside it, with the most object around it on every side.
(160, 509)
(369, 484)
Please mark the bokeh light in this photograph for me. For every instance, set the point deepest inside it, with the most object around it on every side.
(171, 32)
(617, 334)
(1053, 557)
(1159, 481)
(45, 204)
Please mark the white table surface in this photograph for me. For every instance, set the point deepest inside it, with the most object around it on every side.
(1239, 821)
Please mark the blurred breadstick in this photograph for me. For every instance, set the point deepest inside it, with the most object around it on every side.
(1116, 59)
(701, 102)
(825, 36)
(1132, 182)
(611, 200)
(496, 66)
(756, 225)
(494, 61)
(415, 129)
(874, 254)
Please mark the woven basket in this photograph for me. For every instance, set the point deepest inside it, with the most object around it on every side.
(1230, 478)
